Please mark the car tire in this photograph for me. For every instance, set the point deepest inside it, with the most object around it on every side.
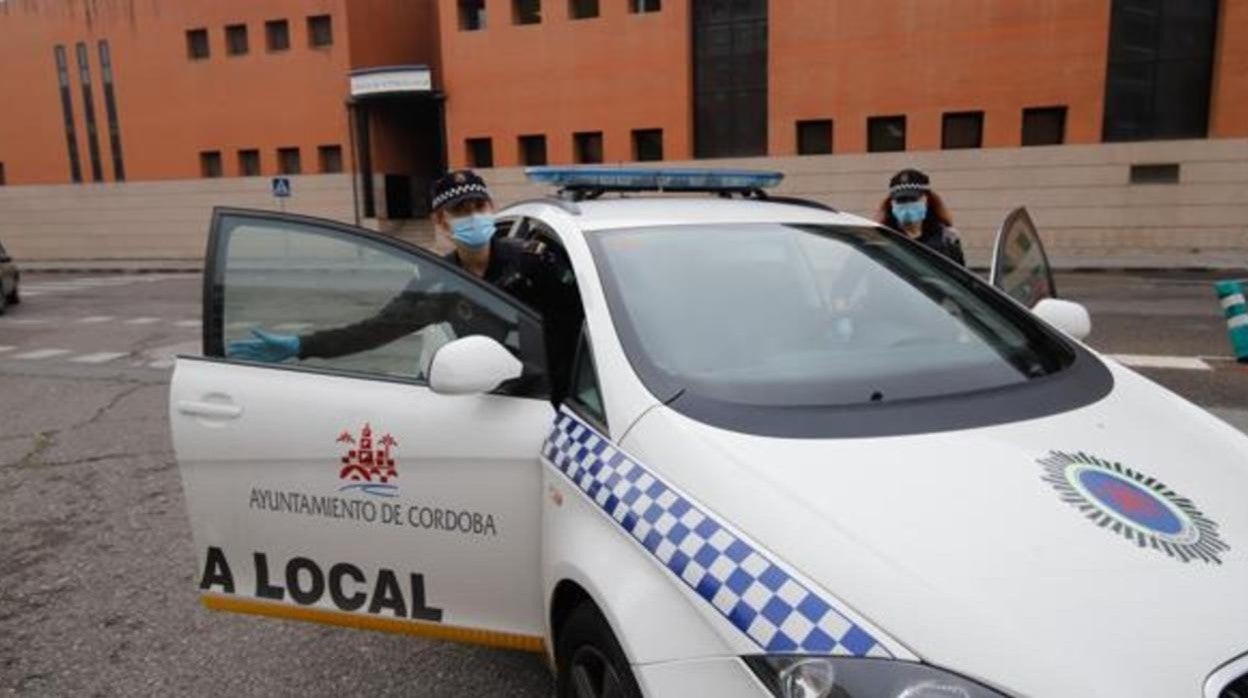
(588, 658)
(4, 303)
(14, 298)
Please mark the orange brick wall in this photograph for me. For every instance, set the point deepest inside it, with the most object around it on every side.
(613, 73)
(851, 60)
(170, 108)
(1229, 117)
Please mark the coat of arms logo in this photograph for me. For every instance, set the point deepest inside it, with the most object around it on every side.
(368, 468)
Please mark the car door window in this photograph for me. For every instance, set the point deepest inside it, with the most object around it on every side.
(356, 302)
(585, 394)
(1020, 266)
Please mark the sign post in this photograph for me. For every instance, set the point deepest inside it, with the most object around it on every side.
(281, 190)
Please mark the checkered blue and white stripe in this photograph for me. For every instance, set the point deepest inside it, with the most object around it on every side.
(756, 594)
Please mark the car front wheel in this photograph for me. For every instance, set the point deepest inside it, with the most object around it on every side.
(590, 661)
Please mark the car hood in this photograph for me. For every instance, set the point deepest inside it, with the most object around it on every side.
(974, 549)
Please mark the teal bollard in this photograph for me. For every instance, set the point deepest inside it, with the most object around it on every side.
(1231, 296)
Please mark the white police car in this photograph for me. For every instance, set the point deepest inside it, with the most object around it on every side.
(802, 457)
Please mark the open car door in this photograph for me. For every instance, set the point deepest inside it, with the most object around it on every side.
(335, 485)
(1020, 266)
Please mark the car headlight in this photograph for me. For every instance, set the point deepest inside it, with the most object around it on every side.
(792, 676)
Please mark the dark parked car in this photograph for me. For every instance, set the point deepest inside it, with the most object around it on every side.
(9, 276)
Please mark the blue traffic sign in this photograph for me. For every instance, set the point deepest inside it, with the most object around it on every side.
(281, 187)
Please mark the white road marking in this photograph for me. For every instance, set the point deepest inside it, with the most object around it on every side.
(98, 358)
(1185, 363)
(4, 349)
(95, 319)
(188, 323)
(30, 321)
(30, 294)
(163, 363)
(142, 321)
(41, 354)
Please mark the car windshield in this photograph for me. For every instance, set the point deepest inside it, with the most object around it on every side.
(811, 315)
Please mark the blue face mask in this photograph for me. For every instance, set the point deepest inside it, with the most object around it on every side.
(473, 231)
(910, 212)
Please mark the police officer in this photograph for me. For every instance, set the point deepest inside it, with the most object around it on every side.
(913, 208)
(530, 272)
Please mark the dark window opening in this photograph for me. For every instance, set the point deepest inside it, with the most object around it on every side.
(197, 44)
(277, 35)
(320, 31)
(110, 110)
(1044, 126)
(962, 130)
(648, 144)
(886, 134)
(88, 111)
(249, 163)
(533, 150)
(67, 113)
(480, 152)
(1160, 74)
(471, 15)
(814, 137)
(587, 147)
(729, 77)
(1167, 173)
(210, 164)
(526, 11)
(236, 40)
(330, 157)
(3, 181)
(640, 6)
(582, 9)
(288, 162)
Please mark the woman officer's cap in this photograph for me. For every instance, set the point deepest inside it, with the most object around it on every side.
(457, 186)
(909, 182)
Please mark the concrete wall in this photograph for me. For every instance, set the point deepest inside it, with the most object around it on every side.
(1079, 196)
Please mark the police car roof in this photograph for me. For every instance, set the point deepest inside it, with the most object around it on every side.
(649, 211)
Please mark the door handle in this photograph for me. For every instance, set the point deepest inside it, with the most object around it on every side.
(210, 409)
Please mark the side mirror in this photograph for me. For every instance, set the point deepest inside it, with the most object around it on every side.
(1071, 318)
(472, 365)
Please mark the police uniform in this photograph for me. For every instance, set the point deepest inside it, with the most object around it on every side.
(934, 234)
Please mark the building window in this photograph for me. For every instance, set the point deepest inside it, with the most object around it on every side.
(587, 147)
(249, 163)
(277, 35)
(533, 150)
(197, 44)
(582, 9)
(648, 144)
(480, 152)
(88, 111)
(526, 11)
(471, 15)
(3, 181)
(210, 164)
(886, 134)
(67, 113)
(1044, 126)
(962, 130)
(1160, 74)
(320, 31)
(639, 6)
(730, 50)
(330, 157)
(814, 137)
(1155, 174)
(288, 162)
(236, 40)
(110, 110)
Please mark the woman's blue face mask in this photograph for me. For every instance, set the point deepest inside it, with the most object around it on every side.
(473, 231)
(910, 212)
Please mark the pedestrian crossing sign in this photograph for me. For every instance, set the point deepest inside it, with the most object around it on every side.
(281, 187)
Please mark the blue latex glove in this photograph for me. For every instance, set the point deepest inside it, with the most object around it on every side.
(267, 347)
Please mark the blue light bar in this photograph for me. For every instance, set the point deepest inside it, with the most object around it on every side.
(606, 178)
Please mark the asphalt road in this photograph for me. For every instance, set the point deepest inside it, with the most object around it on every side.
(97, 595)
